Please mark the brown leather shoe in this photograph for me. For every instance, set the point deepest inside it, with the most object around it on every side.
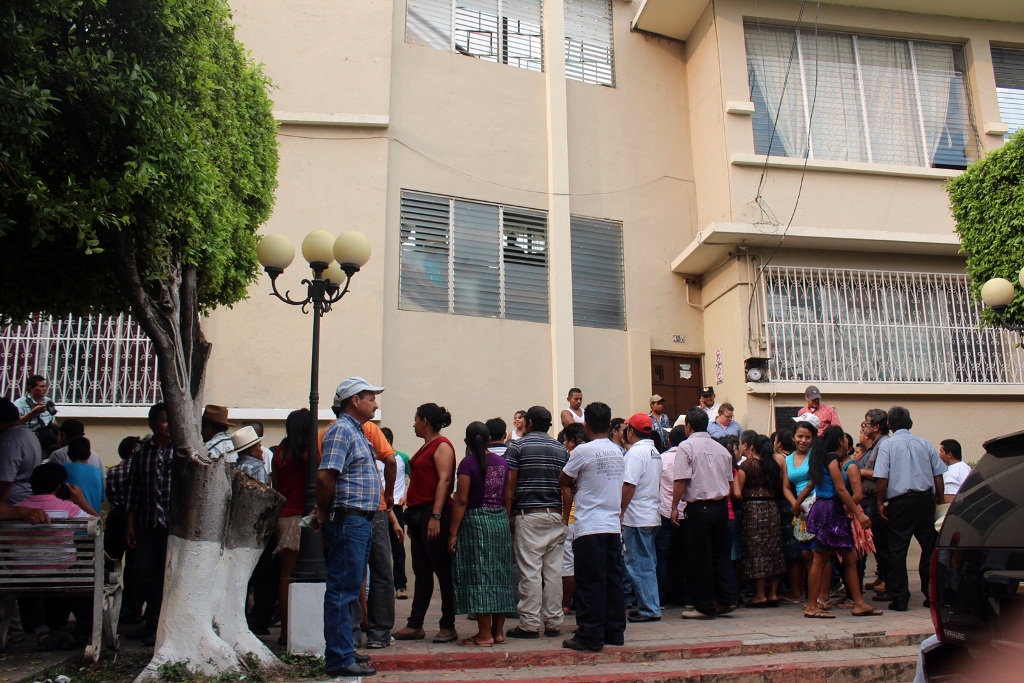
(409, 634)
(446, 636)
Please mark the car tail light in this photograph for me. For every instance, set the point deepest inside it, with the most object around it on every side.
(933, 595)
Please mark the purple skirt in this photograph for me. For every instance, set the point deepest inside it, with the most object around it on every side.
(828, 522)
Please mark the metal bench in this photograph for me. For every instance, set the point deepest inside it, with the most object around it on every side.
(64, 557)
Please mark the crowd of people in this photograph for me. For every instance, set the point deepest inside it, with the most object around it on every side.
(613, 518)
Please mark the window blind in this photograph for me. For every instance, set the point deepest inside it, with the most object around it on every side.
(1008, 65)
(598, 288)
(589, 55)
(504, 31)
(472, 258)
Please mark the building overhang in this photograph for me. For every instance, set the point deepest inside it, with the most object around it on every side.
(676, 18)
(713, 244)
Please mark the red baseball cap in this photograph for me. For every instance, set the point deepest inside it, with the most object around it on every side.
(641, 422)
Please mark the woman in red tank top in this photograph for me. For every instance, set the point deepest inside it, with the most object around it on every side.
(428, 514)
(288, 476)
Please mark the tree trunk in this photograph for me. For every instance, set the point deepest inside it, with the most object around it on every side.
(220, 519)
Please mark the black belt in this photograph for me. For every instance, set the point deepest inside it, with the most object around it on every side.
(912, 493)
(529, 511)
(339, 512)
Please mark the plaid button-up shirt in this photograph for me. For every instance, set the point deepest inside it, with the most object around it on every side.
(149, 484)
(348, 452)
(117, 483)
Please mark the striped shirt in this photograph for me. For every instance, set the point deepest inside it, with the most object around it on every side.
(219, 444)
(149, 485)
(347, 451)
(537, 459)
(117, 483)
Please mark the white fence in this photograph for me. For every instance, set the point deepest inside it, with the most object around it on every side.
(829, 325)
(99, 360)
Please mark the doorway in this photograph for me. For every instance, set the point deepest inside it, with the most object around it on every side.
(678, 379)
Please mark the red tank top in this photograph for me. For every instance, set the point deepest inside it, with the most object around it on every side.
(423, 475)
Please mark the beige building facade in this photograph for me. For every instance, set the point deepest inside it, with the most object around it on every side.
(628, 197)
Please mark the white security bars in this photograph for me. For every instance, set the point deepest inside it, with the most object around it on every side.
(472, 258)
(589, 56)
(1009, 71)
(847, 97)
(598, 290)
(502, 31)
(827, 325)
(99, 360)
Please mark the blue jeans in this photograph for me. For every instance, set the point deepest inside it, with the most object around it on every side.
(347, 554)
(642, 567)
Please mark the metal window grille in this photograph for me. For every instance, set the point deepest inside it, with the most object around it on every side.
(99, 360)
(502, 31)
(598, 288)
(589, 53)
(861, 98)
(1009, 71)
(473, 258)
(829, 325)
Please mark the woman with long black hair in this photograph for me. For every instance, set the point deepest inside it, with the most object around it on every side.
(758, 483)
(830, 525)
(480, 542)
(288, 476)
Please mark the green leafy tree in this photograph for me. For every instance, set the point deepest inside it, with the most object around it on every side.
(988, 206)
(138, 157)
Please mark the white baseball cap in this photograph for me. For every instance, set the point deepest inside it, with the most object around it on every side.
(350, 386)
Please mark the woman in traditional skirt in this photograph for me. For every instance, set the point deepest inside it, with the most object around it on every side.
(479, 539)
(758, 484)
(830, 525)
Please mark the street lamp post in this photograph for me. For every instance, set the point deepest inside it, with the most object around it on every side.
(997, 294)
(333, 263)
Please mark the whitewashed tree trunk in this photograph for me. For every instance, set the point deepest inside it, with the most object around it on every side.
(223, 522)
(220, 519)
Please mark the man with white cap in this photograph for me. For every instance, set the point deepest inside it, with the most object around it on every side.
(348, 492)
(826, 414)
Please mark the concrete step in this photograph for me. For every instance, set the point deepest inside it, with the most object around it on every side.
(883, 664)
(550, 653)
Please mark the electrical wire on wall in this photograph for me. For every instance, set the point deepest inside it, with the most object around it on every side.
(759, 199)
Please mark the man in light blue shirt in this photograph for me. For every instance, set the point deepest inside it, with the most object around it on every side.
(908, 477)
(724, 425)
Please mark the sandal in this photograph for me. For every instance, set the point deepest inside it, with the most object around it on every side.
(756, 604)
(870, 613)
(826, 605)
(819, 615)
(473, 642)
(845, 604)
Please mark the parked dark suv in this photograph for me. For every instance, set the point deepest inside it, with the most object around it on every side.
(977, 577)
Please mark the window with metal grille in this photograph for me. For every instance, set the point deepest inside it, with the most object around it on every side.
(100, 360)
(598, 290)
(503, 31)
(847, 97)
(472, 258)
(1009, 69)
(829, 325)
(589, 56)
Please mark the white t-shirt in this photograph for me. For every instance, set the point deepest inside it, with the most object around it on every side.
(597, 467)
(643, 469)
(954, 477)
(400, 478)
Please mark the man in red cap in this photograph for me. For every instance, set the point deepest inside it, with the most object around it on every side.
(641, 495)
(826, 414)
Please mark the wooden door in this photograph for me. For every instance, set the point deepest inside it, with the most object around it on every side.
(678, 379)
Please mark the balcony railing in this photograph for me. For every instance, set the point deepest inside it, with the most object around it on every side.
(827, 325)
(98, 360)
